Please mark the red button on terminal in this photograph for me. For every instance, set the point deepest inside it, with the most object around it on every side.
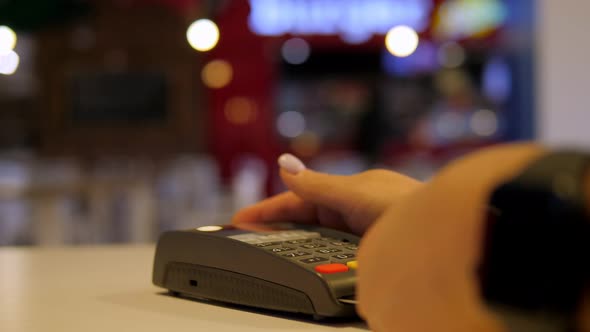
(331, 268)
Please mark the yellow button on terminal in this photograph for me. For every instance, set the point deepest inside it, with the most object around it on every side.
(352, 265)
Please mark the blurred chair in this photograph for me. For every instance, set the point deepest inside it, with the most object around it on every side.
(53, 191)
(15, 177)
(121, 201)
(248, 185)
(189, 193)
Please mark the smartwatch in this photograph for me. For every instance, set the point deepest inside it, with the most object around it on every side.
(536, 256)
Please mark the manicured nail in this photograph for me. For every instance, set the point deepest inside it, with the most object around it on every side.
(291, 164)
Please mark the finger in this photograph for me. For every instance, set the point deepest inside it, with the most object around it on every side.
(332, 219)
(336, 192)
(283, 207)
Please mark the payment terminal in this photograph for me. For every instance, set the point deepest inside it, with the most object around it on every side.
(285, 267)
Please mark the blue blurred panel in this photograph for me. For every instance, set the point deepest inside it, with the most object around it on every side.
(423, 60)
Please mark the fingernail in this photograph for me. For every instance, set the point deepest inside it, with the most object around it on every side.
(291, 164)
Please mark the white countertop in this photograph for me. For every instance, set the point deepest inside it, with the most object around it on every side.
(109, 288)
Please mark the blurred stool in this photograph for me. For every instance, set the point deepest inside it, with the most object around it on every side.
(121, 202)
(55, 187)
(248, 185)
(15, 177)
(189, 194)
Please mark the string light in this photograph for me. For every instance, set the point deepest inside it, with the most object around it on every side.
(203, 35)
(240, 110)
(295, 51)
(217, 74)
(291, 124)
(401, 41)
(9, 62)
(7, 39)
(484, 123)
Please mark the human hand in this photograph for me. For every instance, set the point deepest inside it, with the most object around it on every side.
(417, 263)
(349, 203)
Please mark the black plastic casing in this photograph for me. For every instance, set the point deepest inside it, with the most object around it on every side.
(209, 265)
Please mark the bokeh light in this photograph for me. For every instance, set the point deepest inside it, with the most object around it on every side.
(422, 61)
(291, 124)
(449, 125)
(451, 55)
(7, 39)
(217, 74)
(203, 35)
(240, 110)
(9, 62)
(484, 123)
(497, 80)
(456, 19)
(401, 41)
(295, 51)
(307, 144)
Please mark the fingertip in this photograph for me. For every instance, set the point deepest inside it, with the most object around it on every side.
(241, 217)
(291, 164)
(319, 188)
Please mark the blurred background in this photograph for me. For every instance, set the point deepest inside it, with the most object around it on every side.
(120, 119)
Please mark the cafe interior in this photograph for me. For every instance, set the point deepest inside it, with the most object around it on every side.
(120, 119)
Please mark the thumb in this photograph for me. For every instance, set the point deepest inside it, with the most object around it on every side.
(333, 191)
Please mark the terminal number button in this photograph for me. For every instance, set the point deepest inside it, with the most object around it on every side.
(296, 254)
(281, 249)
(313, 245)
(313, 260)
(344, 256)
(328, 251)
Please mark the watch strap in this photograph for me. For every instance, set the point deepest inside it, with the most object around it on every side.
(537, 243)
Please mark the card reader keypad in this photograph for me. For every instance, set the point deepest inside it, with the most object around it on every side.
(309, 249)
